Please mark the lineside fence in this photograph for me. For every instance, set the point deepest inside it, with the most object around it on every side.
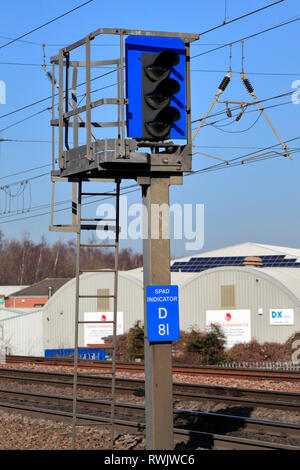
(288, 366)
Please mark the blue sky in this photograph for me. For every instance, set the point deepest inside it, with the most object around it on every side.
(257, 202)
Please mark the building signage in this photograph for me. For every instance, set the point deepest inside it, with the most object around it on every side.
(94, 333)
(281, 316)
(234, 323)
(162, 313)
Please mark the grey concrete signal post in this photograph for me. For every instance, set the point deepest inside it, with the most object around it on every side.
(158, 356)
(114, 159)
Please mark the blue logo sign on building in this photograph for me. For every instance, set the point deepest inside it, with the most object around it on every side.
(162, 313)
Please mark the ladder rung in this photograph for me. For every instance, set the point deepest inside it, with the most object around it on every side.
(101, 245)
(112, 228)
(98, 194)
(97, 220)
(97, 270)
(96, 296)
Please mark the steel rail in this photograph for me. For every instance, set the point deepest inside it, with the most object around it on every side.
(288, 401)
(194, 419)
(218, 371)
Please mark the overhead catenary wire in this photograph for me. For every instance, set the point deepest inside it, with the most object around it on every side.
(282, 95)
(292, 74)
(276, 2)
(25, 171)
(248, 37)
(202, 33)
(251, 91)
(16, 195)
(246, 112)
(224, 164)
(93, 44)
(248, 73)
(46, 24)
(226, 23)
(241, 130)
(132, 186)
(20, 38)
(68, 208)
(246, 155)
(56, 94)
(109, 72)
(194, 121)
(34, 43)
(228, 165)
(44, 99)
(30, 141)
(26, 119)
(222, 87)
(243, 105)
(59, 203)
(219, 113)
(24, 180)
(111, 85)
(49, 108)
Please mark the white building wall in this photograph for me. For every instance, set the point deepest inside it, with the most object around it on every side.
(53, 327)
(254, 291)
(59, 312)
(22, 333)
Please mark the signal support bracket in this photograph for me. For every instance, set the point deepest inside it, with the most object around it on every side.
(105, 158)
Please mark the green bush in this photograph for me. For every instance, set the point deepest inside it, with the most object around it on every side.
(209, 347)
(135, 342)
(260, 352)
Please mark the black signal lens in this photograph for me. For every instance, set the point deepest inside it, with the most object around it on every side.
(157, 91)
(159, 124)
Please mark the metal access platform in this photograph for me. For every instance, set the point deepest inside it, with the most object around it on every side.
(103, 157)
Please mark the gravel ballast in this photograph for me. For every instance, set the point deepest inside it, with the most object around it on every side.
(18, 432)
(24, 432)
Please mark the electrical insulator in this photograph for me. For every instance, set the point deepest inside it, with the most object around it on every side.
(247, 84)
(228, 111)
(224, 83)
(240, 114)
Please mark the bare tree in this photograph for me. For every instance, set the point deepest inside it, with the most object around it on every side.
(25, 262)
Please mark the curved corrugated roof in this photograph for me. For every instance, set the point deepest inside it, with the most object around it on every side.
(288, 279)
(65, 286)
(247, 249)
(176, 277)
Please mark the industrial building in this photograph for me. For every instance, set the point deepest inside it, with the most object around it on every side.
(36, 295)
(6, 291)
(252, 290)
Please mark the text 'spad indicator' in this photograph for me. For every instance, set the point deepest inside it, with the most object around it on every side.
(162, 313)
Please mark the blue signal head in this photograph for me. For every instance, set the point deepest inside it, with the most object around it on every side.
(155, 88)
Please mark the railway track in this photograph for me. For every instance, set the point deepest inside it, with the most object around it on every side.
(189, 426)
(216, 371)
(287, 401)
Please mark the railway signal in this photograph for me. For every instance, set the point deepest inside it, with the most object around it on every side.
(158, 113)
(156, 88)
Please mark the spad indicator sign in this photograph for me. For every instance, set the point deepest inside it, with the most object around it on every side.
(162, 313)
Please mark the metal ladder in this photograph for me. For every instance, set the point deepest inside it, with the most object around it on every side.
(86, 224)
